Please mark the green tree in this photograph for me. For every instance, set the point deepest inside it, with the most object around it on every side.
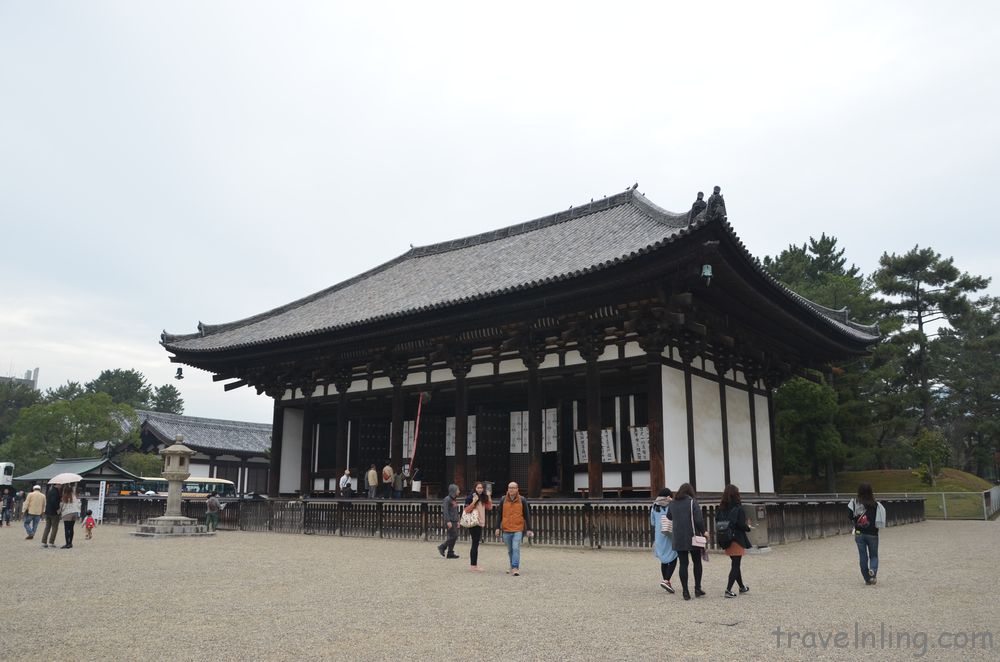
(67, 429)
(931, 451)
(149, 465)
(168, 399)
(14, 397)
(924, 289)
(124, 386)
(806, 435)
(968, 405)
(68, 391)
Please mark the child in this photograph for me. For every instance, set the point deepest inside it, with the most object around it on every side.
(89, 524)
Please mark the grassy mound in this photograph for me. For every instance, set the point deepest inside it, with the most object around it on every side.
(889, 480)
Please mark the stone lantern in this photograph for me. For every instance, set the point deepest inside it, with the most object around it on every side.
(176, 469)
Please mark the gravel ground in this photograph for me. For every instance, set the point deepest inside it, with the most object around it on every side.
(259, 596)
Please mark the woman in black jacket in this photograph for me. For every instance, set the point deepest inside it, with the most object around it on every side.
(683, 511)
(731, 508)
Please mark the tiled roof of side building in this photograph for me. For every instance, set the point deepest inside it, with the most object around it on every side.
(210, 433)
(558, 247)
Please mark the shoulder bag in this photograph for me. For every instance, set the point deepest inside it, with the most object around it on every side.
(470, 520)
(696, 541)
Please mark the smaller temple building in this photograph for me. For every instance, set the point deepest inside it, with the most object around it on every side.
(233, 450)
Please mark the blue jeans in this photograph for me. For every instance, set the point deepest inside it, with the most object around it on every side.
(31, 524)
(513, 542)
(867, 553)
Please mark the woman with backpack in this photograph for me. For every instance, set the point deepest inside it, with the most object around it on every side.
(731, 533)
(662, 548)
(868, 516)
(688, 529)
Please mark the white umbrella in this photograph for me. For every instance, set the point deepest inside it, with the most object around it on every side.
(63, 478)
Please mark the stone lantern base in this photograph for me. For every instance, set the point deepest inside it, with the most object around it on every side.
(171, 526)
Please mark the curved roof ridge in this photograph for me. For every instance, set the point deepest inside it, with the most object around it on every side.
(221, 422)
(829, 315)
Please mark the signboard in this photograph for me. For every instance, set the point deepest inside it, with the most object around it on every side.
(550, 436)
(519, 432)
(98, 508)
(640, 443)
(449, 436)
(580, 437)
(608, 445)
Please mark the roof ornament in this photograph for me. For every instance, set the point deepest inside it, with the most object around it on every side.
(696, 208)
(716, 206)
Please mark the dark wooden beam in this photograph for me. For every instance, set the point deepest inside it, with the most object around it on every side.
(277, 426)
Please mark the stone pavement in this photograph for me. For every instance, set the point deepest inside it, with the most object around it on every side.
(259, 596)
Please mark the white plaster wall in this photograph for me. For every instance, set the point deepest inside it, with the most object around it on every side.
(640, 479)
(710, 367)
(358, 385)
(740, 443)
(415, 378)
(580, 480)
(290, 478)
(763, 444)
(442, 375)
(610, 353)
(287, 395)
(675, 453)
(199, 470)
(573, 357)
(512, 365)
(707, 411)
(551, 361)
(319, 391)
(633, 349)
(612, 479)
(380, 383)
(481, 370)
(318, 484)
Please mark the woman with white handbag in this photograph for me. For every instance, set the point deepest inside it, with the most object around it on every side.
(662, 547)
(688, 535)
(474, 519)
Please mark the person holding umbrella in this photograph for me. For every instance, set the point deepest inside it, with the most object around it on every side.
(69, 511)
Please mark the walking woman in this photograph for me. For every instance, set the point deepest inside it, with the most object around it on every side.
(731, 508)
(868, 516)
(478, 502)
(685, 513)
(662, 547)
(69, 512)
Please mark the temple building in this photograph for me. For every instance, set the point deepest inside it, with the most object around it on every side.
(613, 348)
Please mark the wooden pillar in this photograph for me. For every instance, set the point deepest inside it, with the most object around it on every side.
(274, 472)
(567, 426)
(692, 475)
(342, 383)
(654, 390)
(776, 476)
(532, 353)
(396, 435)
(591, 345)
(721, 369)
(461, 426)
(308, 438)
(751, 382)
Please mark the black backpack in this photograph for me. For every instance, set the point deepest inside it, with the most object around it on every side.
(724, 529)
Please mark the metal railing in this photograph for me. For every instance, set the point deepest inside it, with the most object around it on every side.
(940, 505)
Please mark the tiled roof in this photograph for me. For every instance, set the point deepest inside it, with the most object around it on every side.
(209, 434)
(580, 240)
(81, 466)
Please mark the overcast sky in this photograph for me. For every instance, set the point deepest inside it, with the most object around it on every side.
(163, 163)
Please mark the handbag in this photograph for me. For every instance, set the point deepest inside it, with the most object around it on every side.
(696, 541)
(666, 524)
(470, 520)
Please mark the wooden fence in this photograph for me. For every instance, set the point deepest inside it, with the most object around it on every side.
(617, 524)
